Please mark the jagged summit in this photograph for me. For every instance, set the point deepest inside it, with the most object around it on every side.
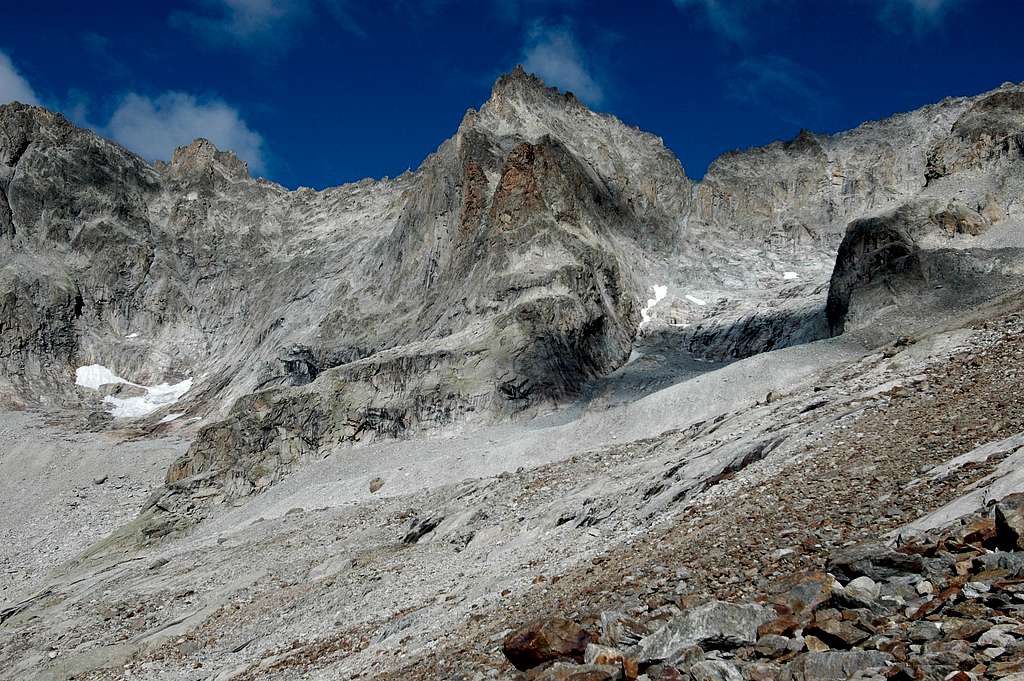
(201, 155)
(519, 83)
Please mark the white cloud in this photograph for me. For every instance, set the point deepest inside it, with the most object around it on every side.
(13, 86)
(723, 16)
(153, 127)
(553, 54)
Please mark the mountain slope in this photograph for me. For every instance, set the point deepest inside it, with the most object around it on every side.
(410, 399)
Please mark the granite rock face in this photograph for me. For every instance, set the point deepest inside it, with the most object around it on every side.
(955, 244)
(504, 275)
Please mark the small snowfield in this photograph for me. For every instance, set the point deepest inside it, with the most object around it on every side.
(94, 376)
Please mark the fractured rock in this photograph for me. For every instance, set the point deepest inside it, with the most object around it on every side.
(714, 625)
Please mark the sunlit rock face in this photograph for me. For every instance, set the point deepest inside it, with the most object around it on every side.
(513, 268)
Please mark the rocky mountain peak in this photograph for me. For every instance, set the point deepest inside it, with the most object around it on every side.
(520, 86)
(201, 156)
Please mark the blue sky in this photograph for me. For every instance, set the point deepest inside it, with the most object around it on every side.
(320, 92)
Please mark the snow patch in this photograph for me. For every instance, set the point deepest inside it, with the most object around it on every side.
(94, 376)
(695, 300)
(645, 314)
(171, 417)
(132, 335)
(790, 275)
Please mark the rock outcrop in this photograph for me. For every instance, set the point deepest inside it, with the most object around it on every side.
(957, 243)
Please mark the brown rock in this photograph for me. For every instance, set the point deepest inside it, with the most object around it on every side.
(666, 672)
(837, 633)
(376, 484)
(785, 625)
(545, 639)
(806, 593)
(964, 630)
(979, 531)
(815, 644)
(1009, 522)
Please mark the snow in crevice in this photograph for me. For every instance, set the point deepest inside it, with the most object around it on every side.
(94, 376)
(695, 300)
(790, 275)
(645, 314)
(172, 417)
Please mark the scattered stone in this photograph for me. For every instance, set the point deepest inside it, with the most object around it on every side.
(714, 625)
(376, 484)
(1009, 521)
(543, 640)
(974, 589)
(100, 480)
(605, 655)
(772, 646)
(834, 665)
(996, 637)
(621, 631)
(863, 590)
(815, 644)
(876, 561)
(807, 592)
(922, 632)
(714, 670)
(563, 671)
(964, 630)
(836, 633)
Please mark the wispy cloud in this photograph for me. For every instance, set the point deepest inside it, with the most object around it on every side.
(553, 53)
(724, 17)
(154, 127)
(242, 21)
(259, 22)
(13, 86)
(780, 87)
(920, 15)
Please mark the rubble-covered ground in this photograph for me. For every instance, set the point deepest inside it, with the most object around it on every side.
(723, 487)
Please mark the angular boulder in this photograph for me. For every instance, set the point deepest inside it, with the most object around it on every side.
(877, 561)
(714, 625)
(834, 665)
(545, 639)
(1009, 517)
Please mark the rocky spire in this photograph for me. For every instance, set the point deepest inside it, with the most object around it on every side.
(522, 85)
(201, 156)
